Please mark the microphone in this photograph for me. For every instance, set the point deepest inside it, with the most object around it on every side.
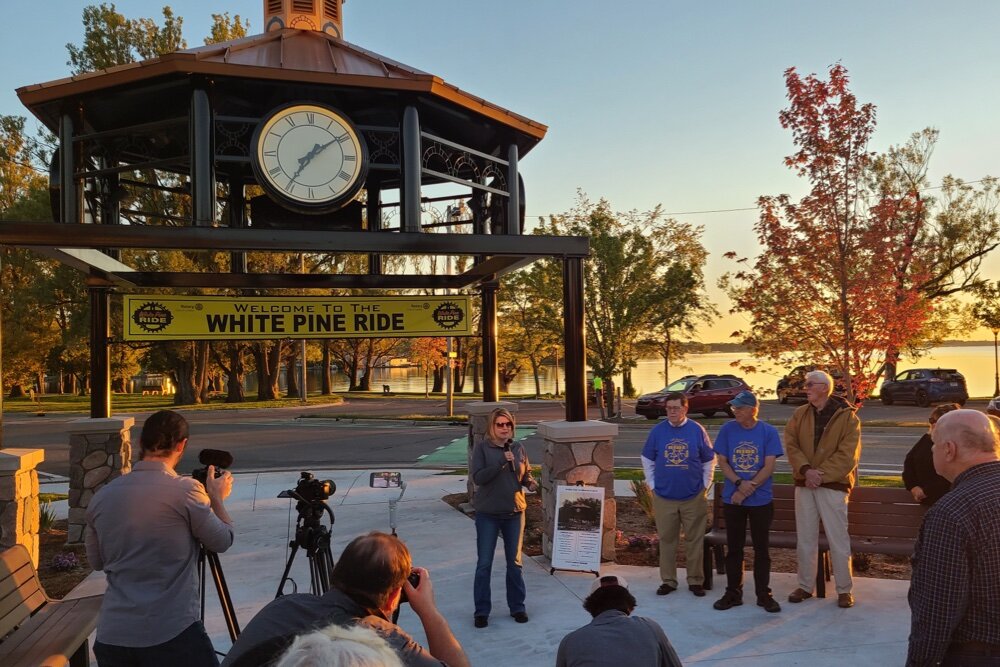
(506, 448)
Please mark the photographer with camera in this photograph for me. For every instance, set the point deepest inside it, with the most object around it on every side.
(367, 582)
(144, 530)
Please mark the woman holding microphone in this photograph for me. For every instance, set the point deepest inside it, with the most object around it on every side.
(499, 469)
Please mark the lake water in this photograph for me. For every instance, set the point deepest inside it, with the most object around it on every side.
(976, 363)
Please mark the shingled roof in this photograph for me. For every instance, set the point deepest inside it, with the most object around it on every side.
(306, 56)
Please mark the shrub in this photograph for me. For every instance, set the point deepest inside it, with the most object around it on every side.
(643, 495)
(46, 517)
(65, 561)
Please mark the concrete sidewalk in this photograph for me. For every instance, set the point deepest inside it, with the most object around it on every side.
(441, 539)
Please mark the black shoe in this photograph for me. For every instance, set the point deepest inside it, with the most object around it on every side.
(697, 589)
(769, 604)
(728, 601)
(520, 617)
(665, 589)
(482, 621)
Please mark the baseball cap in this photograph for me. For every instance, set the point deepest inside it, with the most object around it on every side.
(608, 580)
(994, 404)
(745, 399)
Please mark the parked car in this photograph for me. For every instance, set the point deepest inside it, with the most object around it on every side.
(924, 386)
(706, 394)
(790, 387)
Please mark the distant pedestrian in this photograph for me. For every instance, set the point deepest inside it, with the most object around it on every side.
(615, 637)
(678, 462)
(993, 407)
(955, 588)
(919, 476)
(823, 443)
(746, 450)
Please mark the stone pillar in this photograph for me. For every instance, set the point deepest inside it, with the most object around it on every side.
(99, 451)
(19, 499)
(579, 452)
(479, 412)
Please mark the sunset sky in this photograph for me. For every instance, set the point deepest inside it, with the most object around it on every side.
(647, 102)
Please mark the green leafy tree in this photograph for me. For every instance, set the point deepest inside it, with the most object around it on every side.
(110, 39)
(986, 310)
(530, 303)
(226, 29)
(627, 277)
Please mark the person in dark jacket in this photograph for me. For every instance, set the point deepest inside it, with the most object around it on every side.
(499, 469)
(919, 475)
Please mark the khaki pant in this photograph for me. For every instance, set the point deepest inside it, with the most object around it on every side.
(830, 506)
(671, 516)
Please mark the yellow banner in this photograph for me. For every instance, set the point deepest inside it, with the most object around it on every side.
(159, 317)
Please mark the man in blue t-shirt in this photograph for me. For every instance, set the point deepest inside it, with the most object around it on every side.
(679, 462)
(747, 449)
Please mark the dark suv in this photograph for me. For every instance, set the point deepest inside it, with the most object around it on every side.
(790, 387)
(924, 386)
(706, 394)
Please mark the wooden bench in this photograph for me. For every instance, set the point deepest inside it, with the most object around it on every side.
(36, 631)
(879, 520)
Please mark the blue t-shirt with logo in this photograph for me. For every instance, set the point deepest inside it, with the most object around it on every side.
(679, 454)
(745, 450)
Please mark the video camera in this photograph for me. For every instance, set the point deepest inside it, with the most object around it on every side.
(311, 490)
(219, 458)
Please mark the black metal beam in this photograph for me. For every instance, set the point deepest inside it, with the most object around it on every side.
(42, 234)
(202, 153)
(288, 280)
(411, 170)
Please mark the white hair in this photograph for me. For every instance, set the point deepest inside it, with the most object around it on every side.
(821, 376)
(340, 646)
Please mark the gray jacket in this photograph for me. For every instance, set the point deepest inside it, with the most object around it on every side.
(498, 489)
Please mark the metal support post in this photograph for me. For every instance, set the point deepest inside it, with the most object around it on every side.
(573, 332)
(514, 192)
(491, 390)
(411, 170)
(202, 160)
(100, 353)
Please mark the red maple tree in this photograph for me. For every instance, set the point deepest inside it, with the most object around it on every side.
(824, 287)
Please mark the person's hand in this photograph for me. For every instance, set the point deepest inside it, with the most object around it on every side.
(738, 496)
(918, 493)
(421, 598)
(218, 488)
(532, 486)
(813, 478)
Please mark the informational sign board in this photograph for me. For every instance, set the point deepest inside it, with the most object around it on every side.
(163, 317)
(576, 540)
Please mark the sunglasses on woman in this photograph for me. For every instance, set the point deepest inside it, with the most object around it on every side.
(503, 424)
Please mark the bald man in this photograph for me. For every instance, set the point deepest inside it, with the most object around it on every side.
(955, 588)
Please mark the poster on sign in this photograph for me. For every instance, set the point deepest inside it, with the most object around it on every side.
(576, 540)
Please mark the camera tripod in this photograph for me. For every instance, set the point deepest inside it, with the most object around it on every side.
(314, 537)
(225, 601)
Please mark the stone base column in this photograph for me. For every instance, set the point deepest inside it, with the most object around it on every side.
(19, 511)
(479, 413)
(99, 451)
(579, 452)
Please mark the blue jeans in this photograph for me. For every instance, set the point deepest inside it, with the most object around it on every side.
(191, 648)
(488, 527)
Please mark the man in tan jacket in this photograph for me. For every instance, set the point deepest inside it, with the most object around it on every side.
(823, 445)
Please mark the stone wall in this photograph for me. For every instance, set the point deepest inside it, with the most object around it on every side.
(19, 510)
(99, 451)
(579, 452)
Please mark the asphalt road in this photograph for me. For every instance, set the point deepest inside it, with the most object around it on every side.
(284, 439)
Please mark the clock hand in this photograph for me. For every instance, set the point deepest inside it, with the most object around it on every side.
(306, 159)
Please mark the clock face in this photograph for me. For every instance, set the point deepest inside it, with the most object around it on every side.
(309, 156)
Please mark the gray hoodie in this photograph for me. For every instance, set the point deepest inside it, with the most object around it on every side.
(498, 489)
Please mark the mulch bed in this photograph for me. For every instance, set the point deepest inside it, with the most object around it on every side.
(58, 582)
(637, 542)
